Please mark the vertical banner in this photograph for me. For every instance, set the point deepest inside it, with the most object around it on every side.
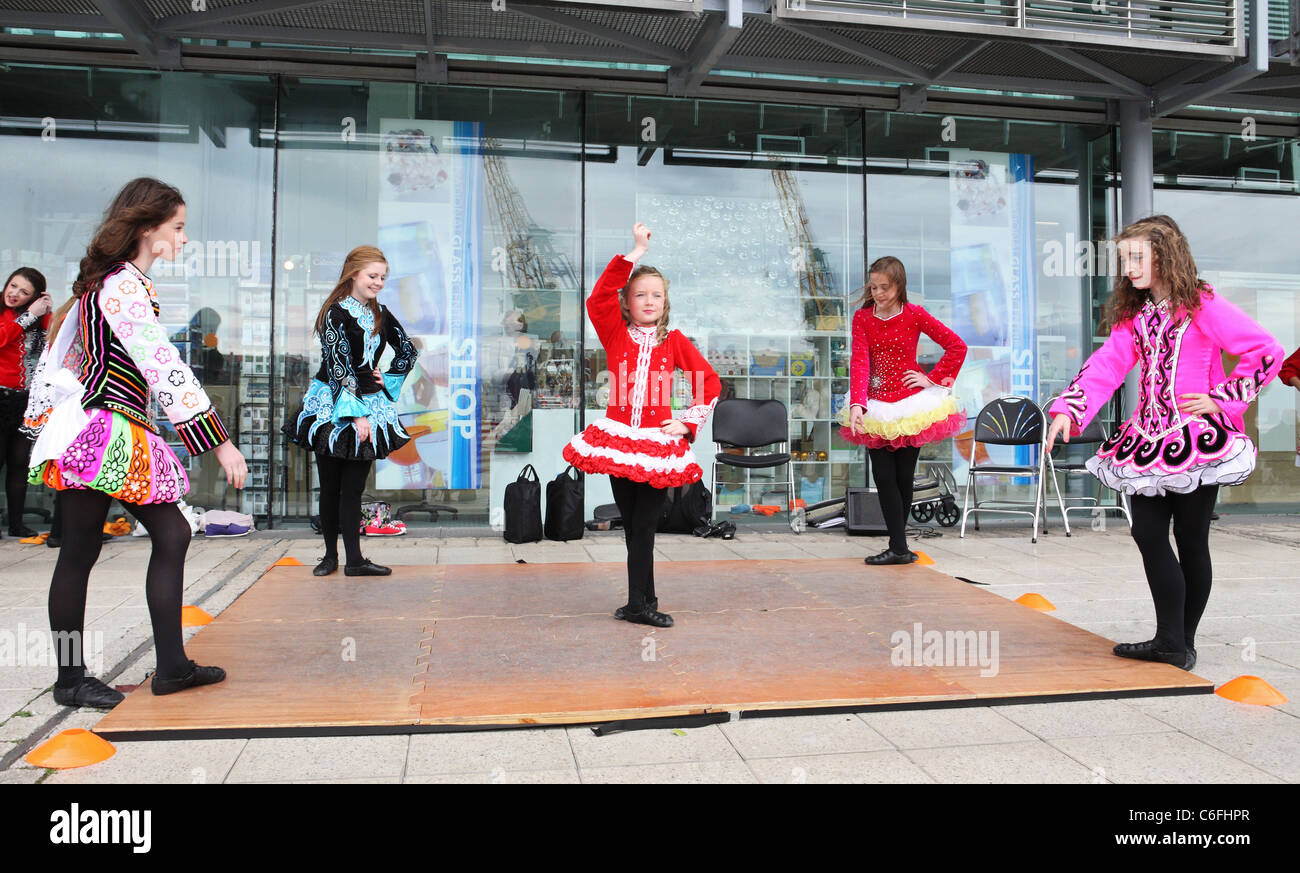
(429, 225)
(994, 292)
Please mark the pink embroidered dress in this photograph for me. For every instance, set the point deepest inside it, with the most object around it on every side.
(1160, 449)
(894, 415)
(627, 442)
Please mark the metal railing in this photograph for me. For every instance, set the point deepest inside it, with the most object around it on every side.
(1202, 26)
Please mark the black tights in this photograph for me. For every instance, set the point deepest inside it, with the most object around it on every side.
(892, 471)
(1180, 586)
(83, 514)
(341, 484)
(640, 504)
(15, 451)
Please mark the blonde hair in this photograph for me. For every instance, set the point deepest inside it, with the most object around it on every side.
(356, 259)
(891, 267)
(661, 326)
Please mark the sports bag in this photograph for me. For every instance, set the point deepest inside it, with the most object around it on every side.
(686, 508)
(523, 508)
(565, 496)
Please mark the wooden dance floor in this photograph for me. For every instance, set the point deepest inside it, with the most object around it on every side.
(459, 646)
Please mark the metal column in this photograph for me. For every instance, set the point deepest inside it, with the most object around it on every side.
(1137, 191)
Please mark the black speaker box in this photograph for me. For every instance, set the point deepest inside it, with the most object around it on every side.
(862, 515)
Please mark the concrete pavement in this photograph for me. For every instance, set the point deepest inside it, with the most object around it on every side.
(1252, 626)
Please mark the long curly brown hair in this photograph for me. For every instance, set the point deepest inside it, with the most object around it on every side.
(1171, 262)
(661, 325)
(352, 265)
(141, 205)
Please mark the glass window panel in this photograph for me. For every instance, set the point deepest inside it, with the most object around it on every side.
(473, 195)
(70, 139)
(756, 211)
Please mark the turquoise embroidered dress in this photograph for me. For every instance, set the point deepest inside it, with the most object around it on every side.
(345, 388)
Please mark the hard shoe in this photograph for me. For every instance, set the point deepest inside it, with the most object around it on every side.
(1147, 651)
(649, 616)
(23, 531)
(88, 692)
(651, 604)
(196, 677)
(891, 557)
(366, 568)
(326, 566)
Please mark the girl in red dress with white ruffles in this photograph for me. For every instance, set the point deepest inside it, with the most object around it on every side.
(895, 408)
(638, 443)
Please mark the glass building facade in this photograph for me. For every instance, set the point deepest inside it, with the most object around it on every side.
(498, 207)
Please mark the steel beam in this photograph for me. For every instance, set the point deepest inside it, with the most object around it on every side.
(191, 21)
(628, 41)
(914, 72)
(714, 41)
(138, 30)
(1256, 63)
(1093, 68)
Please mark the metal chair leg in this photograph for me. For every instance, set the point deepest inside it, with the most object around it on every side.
(965, 502)
(1065, 518)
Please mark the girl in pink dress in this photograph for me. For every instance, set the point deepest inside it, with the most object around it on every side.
(1186, 436)
(894, 407)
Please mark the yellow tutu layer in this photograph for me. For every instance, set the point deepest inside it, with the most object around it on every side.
(909, 425)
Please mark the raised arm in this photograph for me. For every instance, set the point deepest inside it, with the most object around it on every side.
(1259, 354)
(602, 306)
(129, 311)
(1102, 373)
(954, 349)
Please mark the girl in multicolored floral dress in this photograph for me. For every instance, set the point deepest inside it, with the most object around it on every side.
(1186, 436)
(113, 370)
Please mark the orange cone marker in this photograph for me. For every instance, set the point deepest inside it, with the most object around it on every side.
(1036, 601)
(287, 562)
(71, 748)
(192, 616)
(923, 559)
(1251, 689)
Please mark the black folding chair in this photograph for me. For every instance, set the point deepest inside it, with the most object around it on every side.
(748, 424)
(1009, 421)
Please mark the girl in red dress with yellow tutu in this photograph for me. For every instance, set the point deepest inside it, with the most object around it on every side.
(638, 443)
(894, 407)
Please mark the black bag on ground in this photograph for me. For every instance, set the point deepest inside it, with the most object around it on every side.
(565, 495)
(686, 508)
(523, 507)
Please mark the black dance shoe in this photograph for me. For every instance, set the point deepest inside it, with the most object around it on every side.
(621, 612)
(326, 566)
(1147, 651)
(196, 677)
(88, 692)
(366, 568)
(647, 616)
(23, 532)
(891, 557)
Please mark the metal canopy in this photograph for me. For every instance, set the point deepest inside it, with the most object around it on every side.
(1167, 57)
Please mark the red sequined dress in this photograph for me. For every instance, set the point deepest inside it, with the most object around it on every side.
(894, 415)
